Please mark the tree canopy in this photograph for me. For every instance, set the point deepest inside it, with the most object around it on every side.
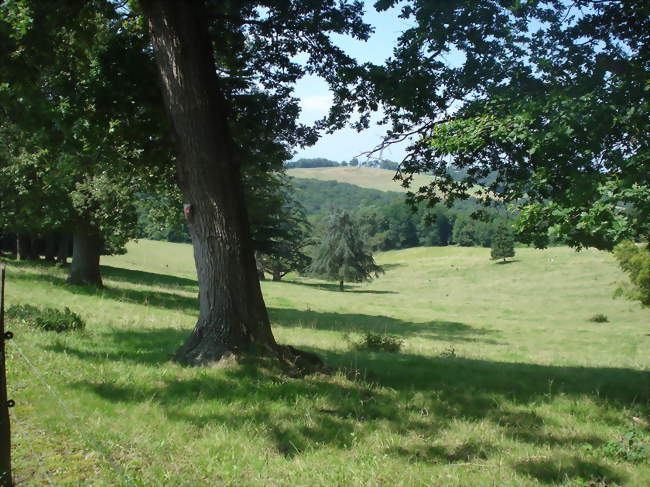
(79, 124)
(548, 97)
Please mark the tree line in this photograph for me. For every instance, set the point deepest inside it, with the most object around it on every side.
(385, 220)
(354, 162)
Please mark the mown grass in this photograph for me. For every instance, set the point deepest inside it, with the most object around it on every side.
(366, 177)
(503, 379)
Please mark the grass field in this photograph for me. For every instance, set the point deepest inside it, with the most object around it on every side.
(366, 177)
(502, 380)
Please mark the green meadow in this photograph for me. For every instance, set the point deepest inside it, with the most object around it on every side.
(502, 379)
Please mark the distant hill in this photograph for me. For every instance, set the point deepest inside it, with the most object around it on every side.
(366, 177)
(320, 197)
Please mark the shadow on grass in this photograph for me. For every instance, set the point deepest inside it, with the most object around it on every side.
(360, 323)
(555, 471)
(413, 396)
(327, 286)
(283, 317)
(161, 299)
(145, 278)
(152, 346)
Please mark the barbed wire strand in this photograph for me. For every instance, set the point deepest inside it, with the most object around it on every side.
(90, 439)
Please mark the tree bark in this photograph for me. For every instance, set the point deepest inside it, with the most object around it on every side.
(232, 314)
(277, 275)
(23, 247)
(20, 250)
(341, 288)
(86, 250)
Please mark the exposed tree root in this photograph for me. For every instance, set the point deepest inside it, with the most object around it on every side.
(202, 353)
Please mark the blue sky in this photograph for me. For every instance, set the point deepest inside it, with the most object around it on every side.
(315, 98)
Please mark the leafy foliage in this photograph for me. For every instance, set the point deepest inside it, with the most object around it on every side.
(341, 255)
(315, 162)
(632, 446)
(548, 100)
(280, 228)
(386, 223)
(635, 261)
(48, 319)
(380, 343)
(79, 122)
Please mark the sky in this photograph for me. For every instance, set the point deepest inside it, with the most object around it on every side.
(315, 97)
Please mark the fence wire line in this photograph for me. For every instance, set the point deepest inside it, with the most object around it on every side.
(31, 449)
(90, 439)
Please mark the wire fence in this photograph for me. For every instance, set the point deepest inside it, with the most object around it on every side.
(90, 439)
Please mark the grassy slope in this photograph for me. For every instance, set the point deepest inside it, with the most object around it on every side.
(365, 177)
(534, 391)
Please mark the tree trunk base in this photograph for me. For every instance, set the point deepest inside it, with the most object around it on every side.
(300, 360)
(86, 250)
(199, 354)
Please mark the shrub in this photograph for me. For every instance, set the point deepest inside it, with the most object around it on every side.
(49, 319)
(635, 261)
(631, 446)
(377, 342)
(599, 318)
(448, 353)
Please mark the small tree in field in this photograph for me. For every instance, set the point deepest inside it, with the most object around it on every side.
(341, 255)
(503, 243)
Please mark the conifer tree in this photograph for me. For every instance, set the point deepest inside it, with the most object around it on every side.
(503, 243)
(341, 255)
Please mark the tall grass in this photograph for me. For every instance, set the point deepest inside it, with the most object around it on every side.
(534, 392)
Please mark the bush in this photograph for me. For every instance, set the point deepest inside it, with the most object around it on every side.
(49, 319)
(448, 353)
(635, 261)
(380, 343)
(599, 318)
(631, 446)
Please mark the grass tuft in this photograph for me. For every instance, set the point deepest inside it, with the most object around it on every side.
(599, 318)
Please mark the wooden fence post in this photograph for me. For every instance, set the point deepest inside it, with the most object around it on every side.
(6, 479)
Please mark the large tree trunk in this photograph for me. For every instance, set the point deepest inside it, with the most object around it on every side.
(232, 317)
(86, 250)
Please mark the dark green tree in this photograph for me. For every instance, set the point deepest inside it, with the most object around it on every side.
(546, 99)
(75, 94)
(279, 227)
(503, 243)
(341, 255)
(465, 231)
